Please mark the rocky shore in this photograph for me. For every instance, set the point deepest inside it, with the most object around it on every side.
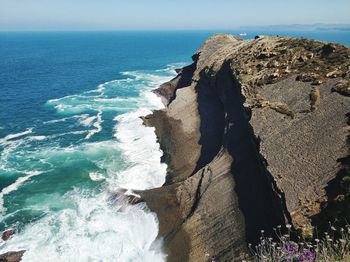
(255, 135)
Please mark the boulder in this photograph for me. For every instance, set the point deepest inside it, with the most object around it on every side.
(7, 234)
(13, 256)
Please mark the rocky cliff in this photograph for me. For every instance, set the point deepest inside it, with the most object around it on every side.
(254, 133)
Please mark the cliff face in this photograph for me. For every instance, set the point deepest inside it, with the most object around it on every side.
(253, 132)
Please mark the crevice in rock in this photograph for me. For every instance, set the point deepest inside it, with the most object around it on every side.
(199, 191)
(198, 194)
(212, 120)
(260, 200)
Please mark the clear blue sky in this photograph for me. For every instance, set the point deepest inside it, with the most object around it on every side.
(166, 14)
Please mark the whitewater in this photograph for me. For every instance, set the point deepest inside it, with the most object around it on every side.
(87, 219)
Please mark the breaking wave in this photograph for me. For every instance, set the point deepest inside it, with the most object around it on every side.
(88, 219)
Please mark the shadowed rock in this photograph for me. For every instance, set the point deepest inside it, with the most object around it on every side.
(244, 152)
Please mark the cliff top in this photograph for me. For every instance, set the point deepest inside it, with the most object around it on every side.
(269, 59)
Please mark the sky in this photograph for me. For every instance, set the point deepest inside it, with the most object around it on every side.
(47, 15)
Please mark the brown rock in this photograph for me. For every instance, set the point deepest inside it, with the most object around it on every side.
(273, 64)
(264, 55)
(307, 77)
(315, 99)
(133, 200)
(317, 82)
(334, 74)
(282, 108)
(342, 87)
(15, 256)
(288, 70)
(7, 234)
(303, 58)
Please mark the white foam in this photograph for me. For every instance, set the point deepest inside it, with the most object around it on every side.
(70, 133)
(90, 231)
(140, 149)
(102, 87)
(97, 125)
(37, 138)
(97, 226)
(83, 116)
(9, 148)
(14, 136)
(15, 186)
(95, 176)
(88, 120)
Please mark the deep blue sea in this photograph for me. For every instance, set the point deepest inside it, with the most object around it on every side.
(71, 139)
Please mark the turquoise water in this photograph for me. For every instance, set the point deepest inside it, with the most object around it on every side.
(71, 139)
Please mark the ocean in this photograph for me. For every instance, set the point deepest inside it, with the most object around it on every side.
(71, 139)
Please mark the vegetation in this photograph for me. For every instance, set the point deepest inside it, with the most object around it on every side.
(333, 246)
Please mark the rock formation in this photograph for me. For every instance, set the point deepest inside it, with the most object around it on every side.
(14, 256)
(7, 234)
(253, 133)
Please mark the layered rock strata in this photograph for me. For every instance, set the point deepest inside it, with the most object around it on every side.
(253, 132)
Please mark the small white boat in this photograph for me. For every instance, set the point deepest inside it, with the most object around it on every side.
(242, 34)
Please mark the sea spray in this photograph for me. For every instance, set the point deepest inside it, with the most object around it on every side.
(88, 222)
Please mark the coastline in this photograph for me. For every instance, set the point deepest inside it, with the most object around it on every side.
(103, 210)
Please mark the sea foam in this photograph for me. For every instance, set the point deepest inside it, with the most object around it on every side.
(14, 187)
(14, 136)
(95, 225)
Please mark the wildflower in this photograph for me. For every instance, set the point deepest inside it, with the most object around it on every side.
(308, 256)
(290, 248)
(288, 226)
(333, 228)
(317, 240)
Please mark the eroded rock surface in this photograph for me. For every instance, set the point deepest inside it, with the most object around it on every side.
(15, 256)
(252, 134)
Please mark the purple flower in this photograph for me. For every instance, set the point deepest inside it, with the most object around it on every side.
(290, 248)
(307, 256)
